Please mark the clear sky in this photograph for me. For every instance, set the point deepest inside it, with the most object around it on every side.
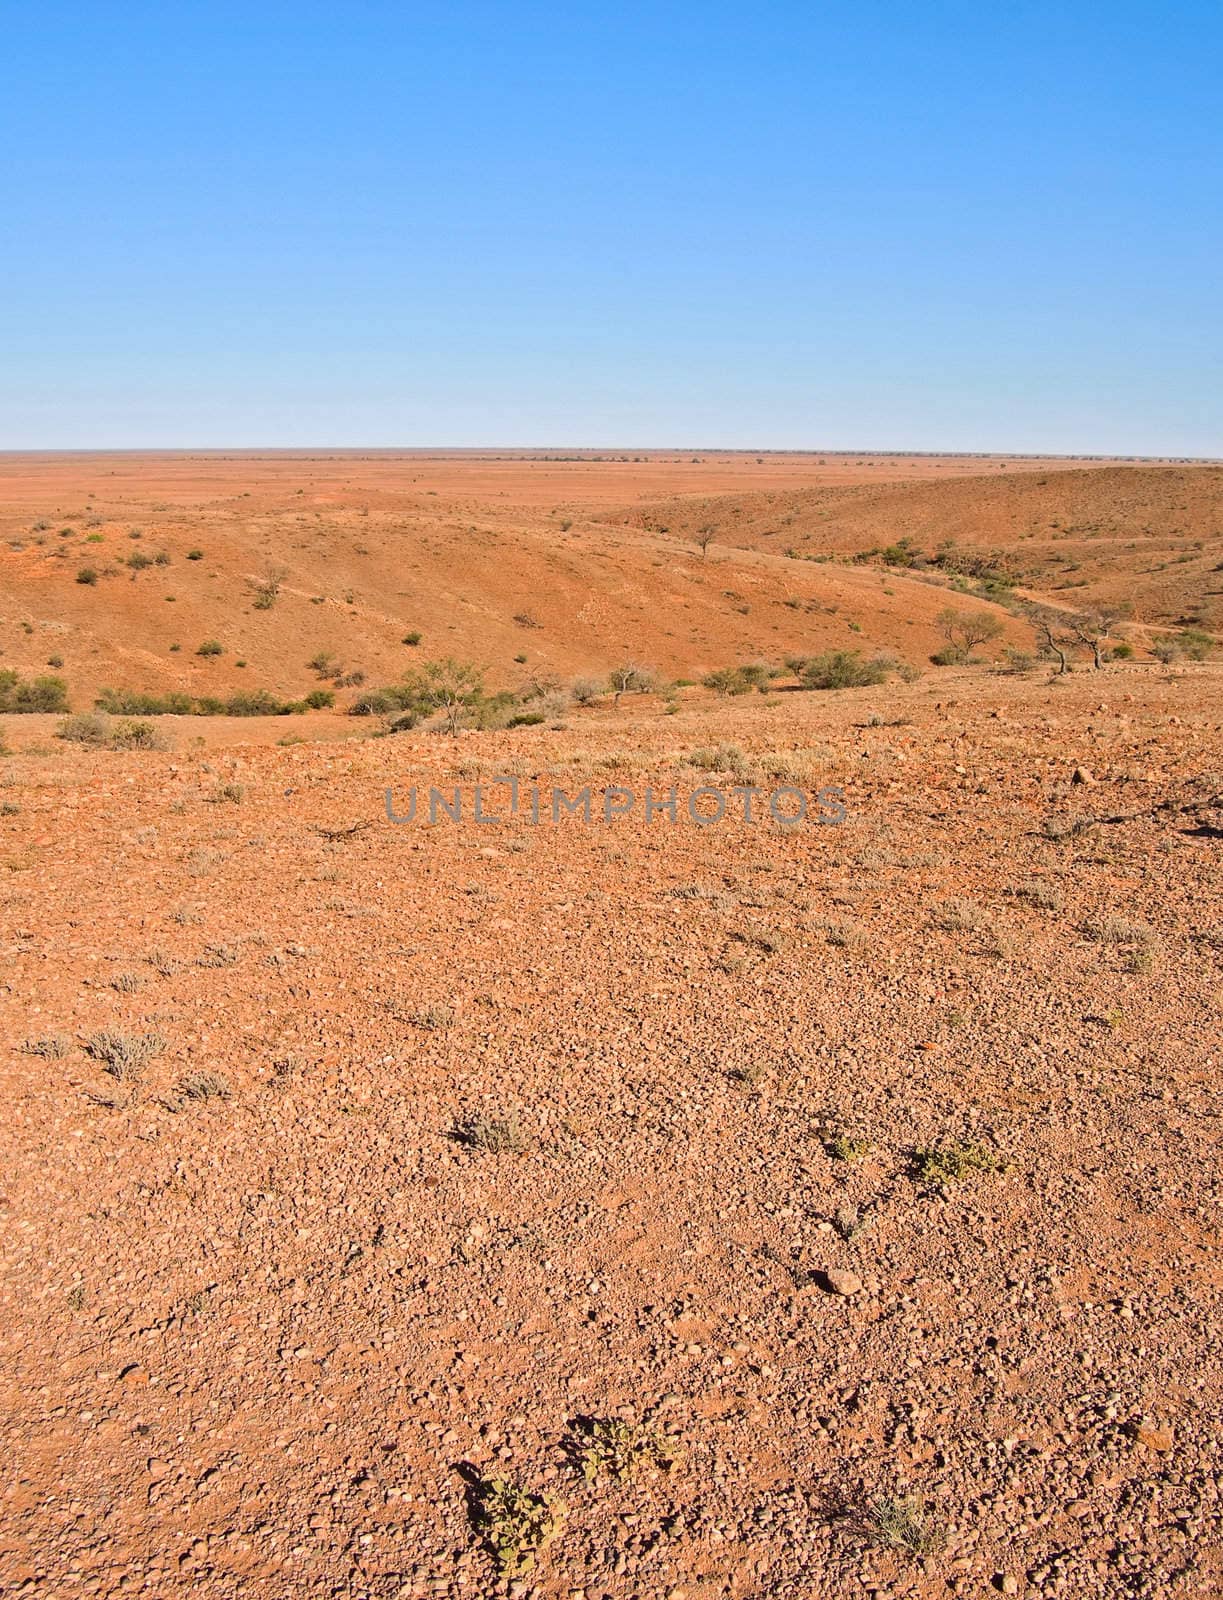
(912, 224)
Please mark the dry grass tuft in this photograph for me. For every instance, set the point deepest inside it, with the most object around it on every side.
(124, 1055)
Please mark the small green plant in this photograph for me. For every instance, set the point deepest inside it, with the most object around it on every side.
(617, 1448)
(233, 793)
(195, 555)
(412, 638)
(87, 575)
(943, 1165)
(517, 1525)
(211, 647)
(844, 1147)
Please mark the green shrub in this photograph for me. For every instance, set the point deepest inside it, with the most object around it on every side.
(320, 699)
(257, 703)
(40, 694)
(455, 688)
(89, 728)
(134, 736)
(87, 575)
(85, 728)
(211, 647)
(135, 703)
(738, 680)
(377, 703)
(838, 669)
(1196, 644)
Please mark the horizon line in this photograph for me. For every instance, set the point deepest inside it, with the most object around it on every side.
(571, 452)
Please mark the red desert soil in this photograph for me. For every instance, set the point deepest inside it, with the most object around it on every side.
(861, 1181)
(561, 561)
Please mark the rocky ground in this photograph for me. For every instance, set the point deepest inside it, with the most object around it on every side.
(796, 1212)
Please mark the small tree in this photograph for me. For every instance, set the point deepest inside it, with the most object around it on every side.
(630, 678)
(963, 631)
(704, 538)
(455, 688)
(1094, 628)
(1054, 642)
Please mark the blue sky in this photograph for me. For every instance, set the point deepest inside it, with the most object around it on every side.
(927, 226)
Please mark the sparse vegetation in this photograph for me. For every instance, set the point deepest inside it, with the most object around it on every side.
(266, 588)
(204, 1086)
(38, 694)
(848, 1147)
(617, 1448)
(498, 1134)
(432, 1016)
(51, 1047)
(517, 1525)
(92, 728)
(943, 1165)
(124, 1055)
(901, 1522)
(738, 680)
(837, 669)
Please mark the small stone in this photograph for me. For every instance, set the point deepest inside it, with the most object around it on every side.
(1154, 1438)
(158, 1469)
(839, 1280)
(1081, 775)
